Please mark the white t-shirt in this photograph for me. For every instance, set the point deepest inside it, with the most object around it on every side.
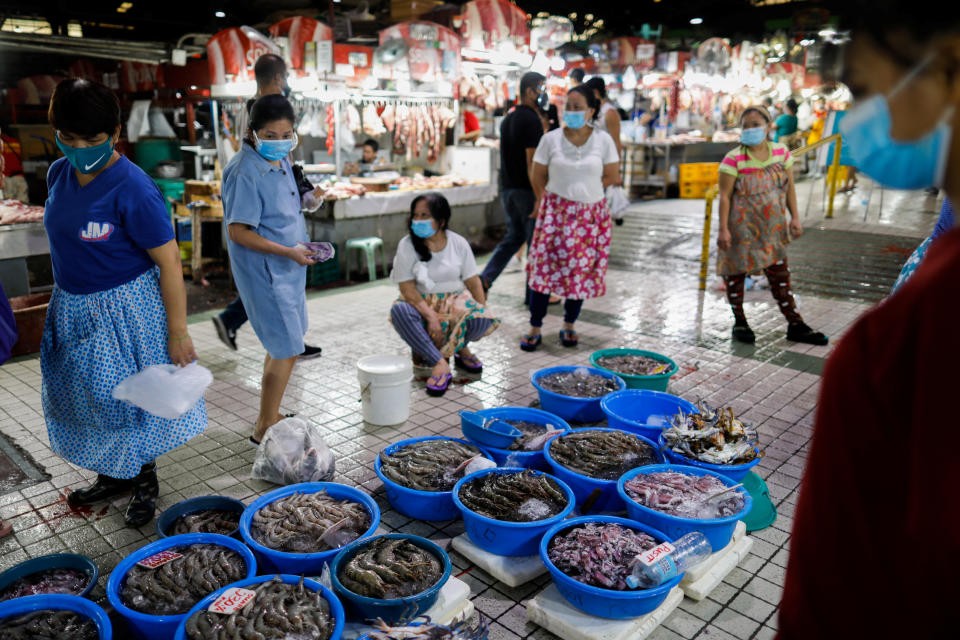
(601, 121)
(576, 173)
(446, 271)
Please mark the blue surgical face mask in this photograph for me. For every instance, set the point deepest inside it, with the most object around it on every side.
(422, 228)
(274, 149)
(575, 119)
(753, 136)
(912, 164)
(87, 159)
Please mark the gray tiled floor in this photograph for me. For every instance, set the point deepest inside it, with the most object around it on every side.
(774, 384)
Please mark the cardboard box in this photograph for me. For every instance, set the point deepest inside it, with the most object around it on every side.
(37, 141)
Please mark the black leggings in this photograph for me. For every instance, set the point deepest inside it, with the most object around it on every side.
(778, 275)
(538, 308)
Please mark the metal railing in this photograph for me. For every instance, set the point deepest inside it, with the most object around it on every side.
(714, 191)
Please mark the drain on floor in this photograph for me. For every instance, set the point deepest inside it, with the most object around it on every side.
(17, 468)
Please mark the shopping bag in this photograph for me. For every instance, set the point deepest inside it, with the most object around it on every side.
(165, 390)
(617, 200)
(293, 451)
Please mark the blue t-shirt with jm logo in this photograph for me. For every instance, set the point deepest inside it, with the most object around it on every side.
(99, 234)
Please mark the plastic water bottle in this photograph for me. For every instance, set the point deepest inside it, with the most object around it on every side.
(668, 560)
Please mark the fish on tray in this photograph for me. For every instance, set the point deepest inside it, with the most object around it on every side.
(634, 365)
(68, 581)
(684, 495)
(428, 465)
(389, 568)
(712, 436)
(579, 383)
(513, 497)
(466, 629)
(207, 521)
(309, 523)
(48, 625)
(279, 611)
(605, 455)
(599, 554)
(174, 587)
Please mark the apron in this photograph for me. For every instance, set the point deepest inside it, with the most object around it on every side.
(758, 222)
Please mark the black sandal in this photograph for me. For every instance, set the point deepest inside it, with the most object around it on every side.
(569, 338)
(143, 502)
(800, 332)
(529, 342)
(743, 333)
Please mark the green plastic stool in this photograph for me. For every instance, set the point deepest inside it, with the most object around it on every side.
(366, 246)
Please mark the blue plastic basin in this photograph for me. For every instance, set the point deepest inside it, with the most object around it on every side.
(569, 407)
(336, 609)
(490, 433)
(60, 601)
(735, 472)
(413, 503)
(657, 382)
(272, 561)
(606, 603)
(526, 459)
(192, 505)
(630, 410)
(53, 561)
(395, 610)
(583, 486)
(718, 531)
(508, 538)
(148, 627)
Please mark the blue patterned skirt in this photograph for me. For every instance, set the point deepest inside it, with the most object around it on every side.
(90, 343)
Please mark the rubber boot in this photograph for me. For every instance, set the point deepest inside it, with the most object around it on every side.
(104, 488)
(143, 502)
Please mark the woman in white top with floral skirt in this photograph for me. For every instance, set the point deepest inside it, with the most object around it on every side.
(571, 242)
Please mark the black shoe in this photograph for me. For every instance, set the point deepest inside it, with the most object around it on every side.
(143, 502)
(618, 222)
(310, 353)
(743, 333)
(104, 488)
(227, 336)
(800, 332)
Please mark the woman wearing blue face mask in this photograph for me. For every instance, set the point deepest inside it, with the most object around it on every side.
(261, 206)
(756, 189)
(571, 242)
(892, 376)
(118, 306)
(441, 305)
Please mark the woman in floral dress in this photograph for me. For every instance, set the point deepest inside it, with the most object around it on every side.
(756, 189)
(571, 242)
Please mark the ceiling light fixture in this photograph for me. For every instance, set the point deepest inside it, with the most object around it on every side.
(124, 7)
(696, 20)
(220, 14)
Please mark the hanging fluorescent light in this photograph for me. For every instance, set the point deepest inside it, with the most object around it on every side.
(220, 14)
(696, 20)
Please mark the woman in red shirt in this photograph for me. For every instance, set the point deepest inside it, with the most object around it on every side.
(876, 536)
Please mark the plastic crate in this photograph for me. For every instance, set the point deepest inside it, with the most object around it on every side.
(325, 272)
(695, 189)
(699, 172)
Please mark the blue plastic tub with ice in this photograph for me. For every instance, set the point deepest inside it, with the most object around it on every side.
(570, 407)
(643, 411)
(200, 503)
(57, 602)
(502, 537)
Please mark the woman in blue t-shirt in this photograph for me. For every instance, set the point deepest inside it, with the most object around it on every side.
(118, 306)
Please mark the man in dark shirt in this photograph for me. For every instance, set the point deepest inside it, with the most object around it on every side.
(520, 133)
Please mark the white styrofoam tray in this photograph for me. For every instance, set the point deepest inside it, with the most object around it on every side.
(511, 571)
(551, 611)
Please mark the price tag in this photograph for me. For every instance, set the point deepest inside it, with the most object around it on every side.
(232, 600)
(159, 559)
(652, 556)
(358, 59)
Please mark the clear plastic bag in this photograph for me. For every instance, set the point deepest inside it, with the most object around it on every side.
(617, 200)
(293, 451)
(165, 390)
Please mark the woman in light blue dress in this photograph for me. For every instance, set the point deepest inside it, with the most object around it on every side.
(261, 206)
(119, 305)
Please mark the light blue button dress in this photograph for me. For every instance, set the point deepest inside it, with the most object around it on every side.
(265, 197)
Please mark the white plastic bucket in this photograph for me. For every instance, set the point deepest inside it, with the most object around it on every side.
(385, 388)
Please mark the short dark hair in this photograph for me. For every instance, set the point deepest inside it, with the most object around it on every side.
(373, 144)
(268, 67)
(270, 109)
(84, 107)
(597, 84)
(894, 29)
(792, 105)
(530, 80)
(577, 74)
(756, 108)
(587, 92)
(439, 211)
